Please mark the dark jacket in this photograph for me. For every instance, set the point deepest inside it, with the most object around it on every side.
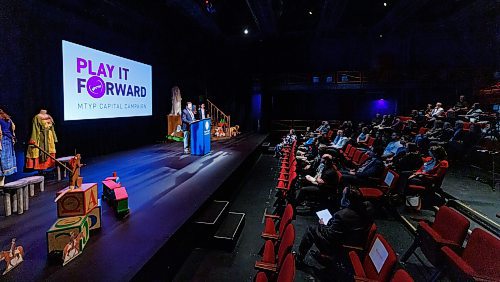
(348, 226)
(186, 119)
(373, 167)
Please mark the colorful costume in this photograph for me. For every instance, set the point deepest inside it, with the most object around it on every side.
(7, 153)
(43, 135)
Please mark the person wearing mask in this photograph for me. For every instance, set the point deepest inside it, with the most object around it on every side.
(410, 160)
(363, 136)
(348, 226)
(336, 145)
(324, 182)
(393, 146)
(434, 167)
(287, 140)
(373, 167)
(323, 128)
(474, 113)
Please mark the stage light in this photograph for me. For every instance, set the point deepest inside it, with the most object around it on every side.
(385, 4)
(245, 31)
(380, 35)
(310, 12)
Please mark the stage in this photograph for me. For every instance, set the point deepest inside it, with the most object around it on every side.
(165, 189)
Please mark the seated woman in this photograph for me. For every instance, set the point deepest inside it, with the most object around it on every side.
(432, 170)
(363, 136)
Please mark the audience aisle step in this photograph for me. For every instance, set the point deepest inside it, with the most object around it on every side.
(209, 220)
(229, 231)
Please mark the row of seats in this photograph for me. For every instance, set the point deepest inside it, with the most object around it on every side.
(441, 242)
(278, 262)
(280, 234)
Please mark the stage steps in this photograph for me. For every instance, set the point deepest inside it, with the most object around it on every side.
(218, 227)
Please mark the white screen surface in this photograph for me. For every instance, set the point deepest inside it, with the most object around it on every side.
(101, 85)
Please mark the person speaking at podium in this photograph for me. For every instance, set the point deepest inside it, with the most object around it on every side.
(187, 118)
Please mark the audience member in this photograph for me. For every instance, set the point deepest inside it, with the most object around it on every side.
(348, 226)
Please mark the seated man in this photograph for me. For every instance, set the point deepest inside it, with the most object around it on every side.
(348, 226)
(323, 128)
(371, 168)
(324, 182)
(337, 144)
(393, 146)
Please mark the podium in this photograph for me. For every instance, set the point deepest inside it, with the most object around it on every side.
(200, 136)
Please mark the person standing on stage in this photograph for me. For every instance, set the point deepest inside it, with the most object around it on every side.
(202, 112)
(187, 118)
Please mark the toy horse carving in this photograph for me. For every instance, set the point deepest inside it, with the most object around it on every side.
(13, 257)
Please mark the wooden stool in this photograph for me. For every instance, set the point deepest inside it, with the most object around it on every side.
(64, 160)
(16, 197)
(34, 180)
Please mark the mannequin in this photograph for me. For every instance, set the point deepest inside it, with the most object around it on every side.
(176, 101)
(43, 134)
(7, 153)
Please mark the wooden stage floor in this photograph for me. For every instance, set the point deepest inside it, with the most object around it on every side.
(165, 189)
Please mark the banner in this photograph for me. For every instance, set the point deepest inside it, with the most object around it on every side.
(101, 85)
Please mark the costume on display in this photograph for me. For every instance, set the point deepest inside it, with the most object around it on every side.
(7, 153)
(44, 136)
(176, 101)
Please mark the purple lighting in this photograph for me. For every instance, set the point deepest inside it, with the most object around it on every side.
(382, 107)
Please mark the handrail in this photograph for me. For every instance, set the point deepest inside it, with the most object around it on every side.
(216, 116)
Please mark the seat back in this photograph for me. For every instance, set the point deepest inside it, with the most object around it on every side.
(351, 153)
(401, 276)
(363, 159)
(287, 270)
(357, 156)
(482, 253)
(347, 149)
(286, 218)
(451, 225)
(370, 141)
(286, 244)
(422, 130)
(269, 255)
(391, 179)
(382, 254)
(371, 234)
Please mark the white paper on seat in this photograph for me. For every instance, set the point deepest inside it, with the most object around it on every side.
(389, 178)
(378, 255)
(324, 215)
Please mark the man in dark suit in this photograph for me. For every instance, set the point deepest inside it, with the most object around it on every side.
(202, 113)
(371, 168)
(348, 226)
(187, 118)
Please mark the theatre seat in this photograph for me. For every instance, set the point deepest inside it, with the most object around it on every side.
(270, 261)
(369, 239)
(286, 273)
(449, 229)
(366, 269)
(479, 260)
(270, 232)
(387, 185)
(401, 276)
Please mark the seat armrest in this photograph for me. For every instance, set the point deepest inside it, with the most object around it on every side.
(271, 267)
(270, 236)
(273, 216)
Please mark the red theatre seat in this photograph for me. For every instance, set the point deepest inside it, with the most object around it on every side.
(269, 232)
(286, 273)
(479, 260)
(449, 229)
(401, 276)
(389, 184)
(381, 254)
(272, 263)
